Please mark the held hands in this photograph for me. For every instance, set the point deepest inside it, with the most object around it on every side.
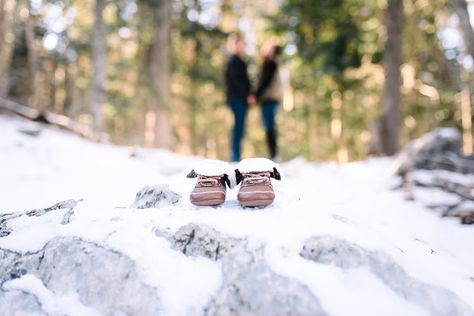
(251, 100)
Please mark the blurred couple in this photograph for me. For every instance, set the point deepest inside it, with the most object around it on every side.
(240, 94)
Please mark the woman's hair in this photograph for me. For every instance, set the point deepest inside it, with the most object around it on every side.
(270, 50)
(277, 49)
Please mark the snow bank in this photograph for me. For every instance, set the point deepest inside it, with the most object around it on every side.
(139, 248)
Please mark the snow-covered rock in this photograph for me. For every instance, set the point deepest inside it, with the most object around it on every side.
(103, 279)
(201, 240)
(154, 196)
(439, 149)
(18, 302)
(68, 205)
(250, 287)
(346, 255)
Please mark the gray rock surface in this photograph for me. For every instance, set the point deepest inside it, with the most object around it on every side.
(68, 205)
(155, 196)
(250, 287)
(19, 304)
(200, 240)
(108, 281)
(103, 279)
(4, 229)
(345, 255)
(439, 149)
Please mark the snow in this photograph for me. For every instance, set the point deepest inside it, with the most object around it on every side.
(332, 284)
(51, 303)
(352, 202)
(256, 164)
(181, 278)
(448, 133)
(210, 167)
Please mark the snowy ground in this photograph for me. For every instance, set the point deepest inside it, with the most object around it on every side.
(350, 202)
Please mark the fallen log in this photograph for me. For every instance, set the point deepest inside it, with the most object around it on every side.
(50, 118)
(463, 191)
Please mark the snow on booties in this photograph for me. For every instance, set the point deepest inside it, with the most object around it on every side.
(210, 189)
(255, 175)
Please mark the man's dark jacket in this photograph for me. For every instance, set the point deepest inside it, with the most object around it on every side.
(237, 80)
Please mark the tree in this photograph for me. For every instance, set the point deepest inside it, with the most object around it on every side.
(36, 82)
(159, 63)
(330, 40)
(466, 112)
(333, 57)
(8, 14)
(99, 47)
(390, 120)
(465, 25)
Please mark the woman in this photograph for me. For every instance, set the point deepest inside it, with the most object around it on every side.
(269, 94)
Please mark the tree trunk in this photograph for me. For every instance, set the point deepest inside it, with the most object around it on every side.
(337, 99)
(465, 25)
(390, 121)
(99, 46)
(313, 132)
(192, 119)
(8, 15)
(159, 68)
(68, 90)
(36, 98)
(53, 85)
(466, 113)
(465, 97)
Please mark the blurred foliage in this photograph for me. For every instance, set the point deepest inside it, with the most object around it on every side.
(333, 51)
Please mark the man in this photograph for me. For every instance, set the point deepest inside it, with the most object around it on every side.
(237, 92)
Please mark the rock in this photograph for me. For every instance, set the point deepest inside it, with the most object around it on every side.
(200, 240)
(467, 218)
(104, 279)
(9, 265)
(34, 132)
(19, 303)
(328, 250)
(250, 287)
(155, 196)
(439, 149)
(68, 204)
(345, 255)
(4, 229)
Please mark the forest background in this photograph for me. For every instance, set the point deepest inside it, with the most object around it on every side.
(360, 76)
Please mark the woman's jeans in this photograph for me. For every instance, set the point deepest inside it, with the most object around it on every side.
(269, 111)
(239, 109)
